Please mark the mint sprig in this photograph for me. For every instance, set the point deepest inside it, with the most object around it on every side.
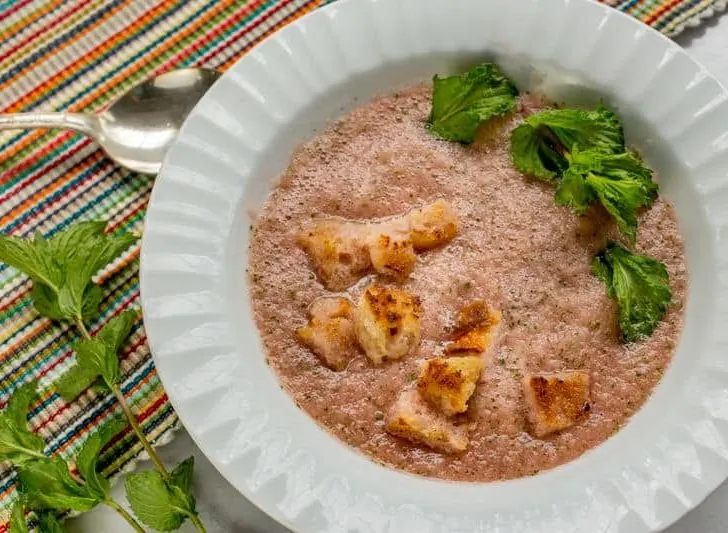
(62, 267)
(62, 270)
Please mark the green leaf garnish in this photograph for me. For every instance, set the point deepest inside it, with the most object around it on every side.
(160, 505)
(539, 146)
(182, 475)
(62, 267)
(87, 460)
(620, 182)
(461, 103)
(97, 357)
(641, 287)
(48, 484)
(77, 379)
(48, 523)
(17, 443)
(17, 519)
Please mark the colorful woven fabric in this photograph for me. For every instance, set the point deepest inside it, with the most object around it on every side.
(79, 55)
(670, 16)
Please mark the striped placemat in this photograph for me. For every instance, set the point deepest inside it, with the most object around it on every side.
(78, 55)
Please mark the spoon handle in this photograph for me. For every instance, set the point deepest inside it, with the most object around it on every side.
(80, 122)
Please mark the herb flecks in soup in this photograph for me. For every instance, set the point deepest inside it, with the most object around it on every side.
(518, 345)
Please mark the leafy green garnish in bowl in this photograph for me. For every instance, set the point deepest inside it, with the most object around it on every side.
(620, 182)
(461, 103)
(640, 285)
(540, 146)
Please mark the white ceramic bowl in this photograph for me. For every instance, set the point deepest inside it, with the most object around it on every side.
(207, 349)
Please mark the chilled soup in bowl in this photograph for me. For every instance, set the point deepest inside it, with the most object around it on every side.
(468, 283)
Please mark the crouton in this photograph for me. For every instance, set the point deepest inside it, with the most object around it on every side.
(390, 249)
(556, 401)
(330, 332)
(477, 330)
(344, 251)
(411, 418)
(433, 225)
(338, 251)
(448, 383)
(387, 323)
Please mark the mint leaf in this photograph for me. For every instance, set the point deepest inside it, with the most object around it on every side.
(17, 519)
(641, 287)
(62, 267)
(100, 353)
(48, 523)
(536, 155)
(77, 379)
(34, 258)
(17, 443)
(48, 484)
(539, 146)
(574, 192)
(87, 460)
(45, 301)
(182, 475)
(620, 182)
(98, 357)
(461, 103)
(159, 505)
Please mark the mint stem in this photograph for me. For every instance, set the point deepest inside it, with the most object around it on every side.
(82, 328)
(139, 432)
(198, 523)
(129, 415)
(142, 438)
(125, 515)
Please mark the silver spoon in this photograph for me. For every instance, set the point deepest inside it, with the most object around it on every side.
(139, 127)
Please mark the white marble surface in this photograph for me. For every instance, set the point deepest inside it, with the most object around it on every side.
(223, 509)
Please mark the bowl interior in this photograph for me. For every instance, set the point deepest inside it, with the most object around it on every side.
(570, 87)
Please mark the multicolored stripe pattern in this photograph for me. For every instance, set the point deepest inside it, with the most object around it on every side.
(670, 16)
(78, 56)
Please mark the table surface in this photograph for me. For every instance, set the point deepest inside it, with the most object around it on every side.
(223, 509)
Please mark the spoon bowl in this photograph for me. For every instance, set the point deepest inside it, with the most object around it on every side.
(139, 127)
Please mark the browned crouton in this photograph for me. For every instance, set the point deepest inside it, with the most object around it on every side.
(478, 330)
(433, 225)
(338, 251)
(387, 323)
(330, 332)
(391, 251)
(343, 251)
(556, 401)
(413, 419)
(448, 383)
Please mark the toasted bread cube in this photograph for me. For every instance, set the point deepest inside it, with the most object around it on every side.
(411, 418)
(474, 315)
(387, 323)
(338, 251)
(330, 332)
(556, 401)
(433, 225)
(390, 249)
(448, 383)
(478, 330)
